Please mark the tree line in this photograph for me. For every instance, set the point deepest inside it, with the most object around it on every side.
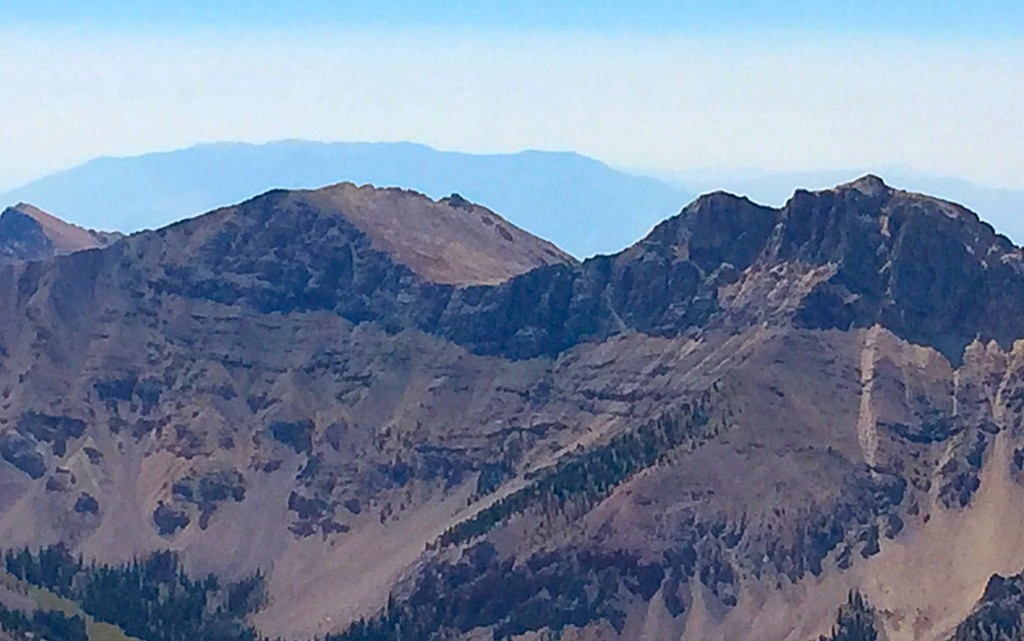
(151, 598)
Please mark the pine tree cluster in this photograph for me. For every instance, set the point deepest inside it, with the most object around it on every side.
(999, 615)
(855, 622)
(43, 624)
(152, 599)
(583, 480)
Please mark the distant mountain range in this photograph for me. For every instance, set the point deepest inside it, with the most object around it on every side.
(580, 204)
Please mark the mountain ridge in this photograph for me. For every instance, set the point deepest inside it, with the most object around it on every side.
(579, 203)
(1001, 207)
(718, 433)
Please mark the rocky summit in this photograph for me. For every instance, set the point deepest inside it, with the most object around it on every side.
(29, 233)
(391, 417)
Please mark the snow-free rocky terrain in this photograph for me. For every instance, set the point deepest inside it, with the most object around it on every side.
(412, 416)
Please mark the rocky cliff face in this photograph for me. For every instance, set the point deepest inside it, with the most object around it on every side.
(386, 401)
(927, 270)
(28, 233)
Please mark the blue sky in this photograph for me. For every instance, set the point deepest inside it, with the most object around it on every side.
(667, 87)
(916, 17)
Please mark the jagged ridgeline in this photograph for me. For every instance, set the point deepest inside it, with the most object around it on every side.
(152, 599)
(425, 423)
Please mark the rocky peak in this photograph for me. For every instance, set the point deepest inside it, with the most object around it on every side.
(29, 233)
(927, 269)
(449, 241)
(716, 228)
(869, 185)
(346, 228)
(852, 256)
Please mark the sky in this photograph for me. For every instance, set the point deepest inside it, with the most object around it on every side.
(665, 87)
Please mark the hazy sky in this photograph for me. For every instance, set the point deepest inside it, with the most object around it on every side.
(935, 86)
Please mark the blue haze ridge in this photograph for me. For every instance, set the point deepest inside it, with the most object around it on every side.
(580, 204)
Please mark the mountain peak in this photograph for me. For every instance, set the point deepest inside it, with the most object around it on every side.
(868, 184)
(30, 210)
(29, 233)
(450, 241)
(719, 198)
